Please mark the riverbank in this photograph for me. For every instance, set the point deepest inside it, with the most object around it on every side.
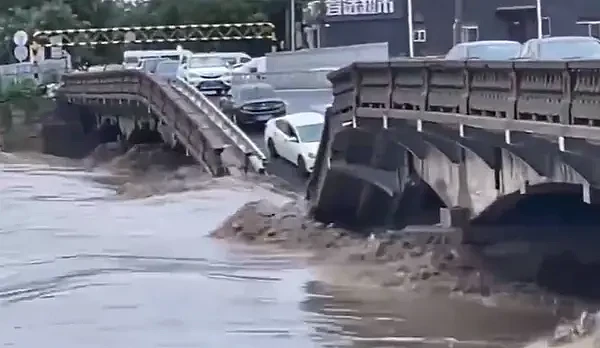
(419, 261)
(413, 262)
(399, 261)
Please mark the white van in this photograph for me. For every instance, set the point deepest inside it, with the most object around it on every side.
(133, 59)
(234, 59)
(255, 65)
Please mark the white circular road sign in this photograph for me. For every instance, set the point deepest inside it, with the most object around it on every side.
(20, 38)
(21, 53)
(129, 36)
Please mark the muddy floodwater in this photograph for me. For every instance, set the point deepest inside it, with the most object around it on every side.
(85, 264)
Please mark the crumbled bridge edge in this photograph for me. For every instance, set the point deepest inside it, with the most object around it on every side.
(388, 261)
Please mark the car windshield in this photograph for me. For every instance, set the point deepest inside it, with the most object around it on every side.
(167, 68)
(310, 133)
(151, 64)
(495, 51)
(230, 61)
(130, 60)
(206, 62)
(564, 49)
(256, 92)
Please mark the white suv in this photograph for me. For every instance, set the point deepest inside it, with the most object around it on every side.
(208, 72)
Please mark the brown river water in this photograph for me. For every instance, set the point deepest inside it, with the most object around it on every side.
(88, 262)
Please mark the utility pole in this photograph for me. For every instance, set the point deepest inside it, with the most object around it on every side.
(293, 25)
(411, 31)
(540, 30)
(458, 20)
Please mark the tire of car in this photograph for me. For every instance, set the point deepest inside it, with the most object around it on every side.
(272, 150)
(302, 170)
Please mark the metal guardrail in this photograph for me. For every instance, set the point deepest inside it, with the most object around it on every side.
(109, 67)
(48, 71)
(311, 79)
(235, 135)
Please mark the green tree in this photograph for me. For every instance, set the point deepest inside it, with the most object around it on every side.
(31, 15)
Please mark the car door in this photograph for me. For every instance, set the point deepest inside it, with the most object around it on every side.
(182, 66)
(282, 139)
(527, 51)
(294, 146)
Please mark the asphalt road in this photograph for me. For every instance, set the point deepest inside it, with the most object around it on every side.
(298, 101)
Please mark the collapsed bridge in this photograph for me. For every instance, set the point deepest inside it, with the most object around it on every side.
(207, 135)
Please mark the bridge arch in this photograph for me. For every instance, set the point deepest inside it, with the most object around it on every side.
(557, 202)
(369, 170)
(382, 160)
(491, 168)
(385, 152)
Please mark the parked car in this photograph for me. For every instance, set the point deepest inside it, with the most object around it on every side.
(207, 72)
(252, 103)
(148, 65)
(167, 69)
(255, 65)
(234, 59)
(295, 138)
(561, 48)
(485, 50)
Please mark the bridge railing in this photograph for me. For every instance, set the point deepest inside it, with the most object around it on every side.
(561, 92)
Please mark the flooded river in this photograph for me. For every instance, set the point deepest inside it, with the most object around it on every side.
(80, 267)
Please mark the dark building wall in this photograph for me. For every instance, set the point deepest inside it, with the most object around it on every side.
(437, 17)
(346, 29)
(392, 31)
(563, 16)
(495, 20)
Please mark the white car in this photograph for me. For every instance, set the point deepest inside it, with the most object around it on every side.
(295, 138)
(207, 72)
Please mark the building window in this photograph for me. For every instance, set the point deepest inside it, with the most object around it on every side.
(593, 27)
(546, 27)
(420, 35)
(470, 33)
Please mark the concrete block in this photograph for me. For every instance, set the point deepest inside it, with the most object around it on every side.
(454, 217)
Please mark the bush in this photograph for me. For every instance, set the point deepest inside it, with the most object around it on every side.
(23, 96)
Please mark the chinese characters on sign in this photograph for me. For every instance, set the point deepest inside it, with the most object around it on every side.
(358, 7)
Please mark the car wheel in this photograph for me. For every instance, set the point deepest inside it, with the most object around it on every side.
(302, 170)
(272, 150)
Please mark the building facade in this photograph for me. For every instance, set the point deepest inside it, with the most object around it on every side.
(345, 22)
